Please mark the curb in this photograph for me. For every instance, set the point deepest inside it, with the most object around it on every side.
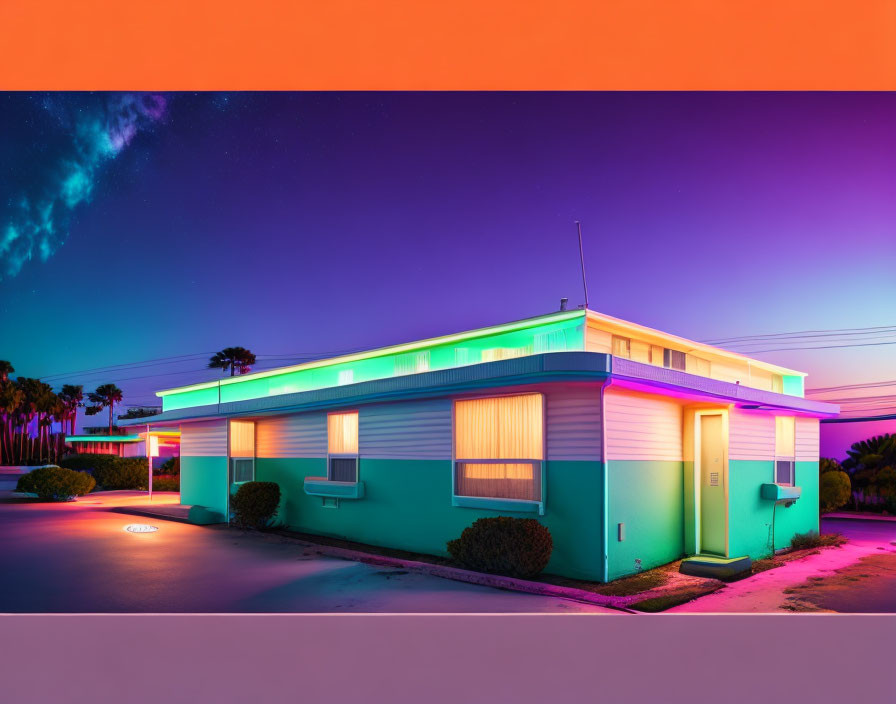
(859, 517)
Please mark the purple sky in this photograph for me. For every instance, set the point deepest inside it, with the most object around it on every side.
(314, 223)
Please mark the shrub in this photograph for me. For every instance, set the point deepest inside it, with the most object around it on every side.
(803, 541)
(834, 490)
(519, 547)
(111, 471)
(170, 466)
(255, 504)
(163, 483)
(826, 464)
(56, 483)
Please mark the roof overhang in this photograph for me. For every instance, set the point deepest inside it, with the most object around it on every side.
(542, 368)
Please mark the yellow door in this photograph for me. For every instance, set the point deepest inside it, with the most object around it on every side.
(712, 485)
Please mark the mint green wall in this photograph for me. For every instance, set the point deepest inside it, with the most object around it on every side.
(750, 517)
(203, 482)
(407, 505)
(648, 497)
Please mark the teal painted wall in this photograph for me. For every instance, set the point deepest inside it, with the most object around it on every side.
(407, 505)
(203, 482)
(690, 531)
(648, 497)
(750, 517)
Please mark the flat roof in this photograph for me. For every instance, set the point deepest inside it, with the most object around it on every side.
(541, 368)
(558, 316)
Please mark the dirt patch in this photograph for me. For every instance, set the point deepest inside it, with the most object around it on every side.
(677, 595)
(868, 586)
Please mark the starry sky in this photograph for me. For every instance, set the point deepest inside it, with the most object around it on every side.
(139, 233)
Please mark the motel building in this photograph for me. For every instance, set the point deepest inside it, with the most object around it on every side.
(634, 447)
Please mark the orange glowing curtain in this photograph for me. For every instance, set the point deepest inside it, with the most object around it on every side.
(242, 438)
(785, 437)
(342, 433)
(500, 428)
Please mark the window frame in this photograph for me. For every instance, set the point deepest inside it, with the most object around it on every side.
(231, 458)
(499, 503)
(344, 455)
(791, 459)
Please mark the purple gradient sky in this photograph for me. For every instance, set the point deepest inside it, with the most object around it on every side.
(315, 223)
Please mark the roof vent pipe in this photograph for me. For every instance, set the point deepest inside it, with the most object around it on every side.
(563, 302)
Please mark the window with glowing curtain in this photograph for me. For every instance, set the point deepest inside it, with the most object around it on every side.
(499, 447)
(342, 447)
(785, 450)
(242, 450)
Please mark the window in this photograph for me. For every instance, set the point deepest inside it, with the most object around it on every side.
(777, 383)
(554, 341)
(412, 363)
(496, 353)
(785, 444)
(242, 451)
(622, 347)
(499, 447)
(673, 359)
(342, 447)
(464, 356)
(346, 376)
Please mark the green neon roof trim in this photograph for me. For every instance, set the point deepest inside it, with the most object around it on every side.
(102, 438)
(382, 351)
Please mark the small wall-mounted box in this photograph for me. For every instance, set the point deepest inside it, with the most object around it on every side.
(621, 532)
(776, 492)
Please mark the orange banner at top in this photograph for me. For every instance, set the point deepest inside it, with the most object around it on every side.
(459, 45)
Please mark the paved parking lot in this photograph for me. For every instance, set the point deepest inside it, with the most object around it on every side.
(77, 557)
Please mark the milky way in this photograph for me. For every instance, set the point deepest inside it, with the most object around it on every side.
(80, 135)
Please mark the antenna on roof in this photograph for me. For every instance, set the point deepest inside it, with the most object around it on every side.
(582, 259)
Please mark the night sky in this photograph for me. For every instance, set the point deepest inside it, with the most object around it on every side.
(141, 227)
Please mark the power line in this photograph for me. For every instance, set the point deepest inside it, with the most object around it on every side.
(825, 347)
(797, 333)
(845, 387)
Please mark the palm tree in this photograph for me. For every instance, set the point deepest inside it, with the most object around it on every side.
(72, 396)
(236, 359)
(11, 398)
(105, 396)
(6, 369)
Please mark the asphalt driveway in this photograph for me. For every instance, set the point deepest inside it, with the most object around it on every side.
(77, 557)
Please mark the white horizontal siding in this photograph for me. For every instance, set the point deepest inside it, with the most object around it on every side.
(642, 426)
(412, 430)
(751, 435)
(204, 439)
(298, 435)
(573, 424)
(807, 439)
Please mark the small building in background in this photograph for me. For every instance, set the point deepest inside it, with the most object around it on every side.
(164, 443)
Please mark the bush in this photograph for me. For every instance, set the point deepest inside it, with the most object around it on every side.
(163, 483)
(518, 547)
(834, 490)
(111, 471)
(803, 541)
(255, 504)
(56, 483)
(826, 464)
(170, 466)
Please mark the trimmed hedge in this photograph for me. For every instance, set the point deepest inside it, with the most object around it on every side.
(56, 483)
(111, 471)
(518, 547)
(163, 483)
(255, 504)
